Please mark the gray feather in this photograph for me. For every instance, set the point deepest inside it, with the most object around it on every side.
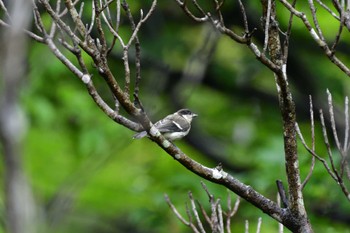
(140, 135)
(174, 126)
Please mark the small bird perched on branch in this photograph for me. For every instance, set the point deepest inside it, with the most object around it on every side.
(174, 126)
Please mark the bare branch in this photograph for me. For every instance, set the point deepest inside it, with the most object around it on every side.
(245, 19)
(221, 220)
(346, 113)
(76, 17)
(3, 7)
(178, 215)
(318, 39)
(137, 46)
(189, 13)
(195, 212)
(111, 29)
(207, 218)
(312, 143)
(287, 36)
(88, 47)
(231, 212)
(282, 193)
(332, 170)
(258, 228)
(117, 23)
(280, 225)
(337, 37)
(333, 124)
(65, 10)
(106, 6)
(216, 220)
(142, 20)
(315, 20)
(93, 17)
(328, 146)
(267, 25)
(324, 162)
(337, 6)
(328, 9)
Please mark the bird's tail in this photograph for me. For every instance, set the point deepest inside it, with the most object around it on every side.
(140, 135)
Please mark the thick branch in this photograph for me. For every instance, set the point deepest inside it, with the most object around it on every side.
(287, 107)
(219, 176)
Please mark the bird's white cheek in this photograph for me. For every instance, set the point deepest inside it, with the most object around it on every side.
(188, 118)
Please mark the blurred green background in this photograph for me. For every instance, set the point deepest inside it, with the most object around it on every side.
(87, 173)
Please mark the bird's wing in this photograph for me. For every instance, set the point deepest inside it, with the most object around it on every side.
(169, 124)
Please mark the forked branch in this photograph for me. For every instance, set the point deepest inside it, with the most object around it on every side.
(215, 220)
(336, 171)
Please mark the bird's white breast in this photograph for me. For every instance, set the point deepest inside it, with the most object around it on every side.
(176, 135)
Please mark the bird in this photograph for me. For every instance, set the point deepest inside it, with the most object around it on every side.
(174, 126)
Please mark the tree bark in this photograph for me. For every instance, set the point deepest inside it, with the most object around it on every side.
(296, 208)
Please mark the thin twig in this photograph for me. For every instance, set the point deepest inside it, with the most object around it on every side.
(258, 228)
(282, 193)
(214, 213)
(53, 25)
(280, 225)
(87, 47)
(93, 17)
(345, 150)
(117, 22)
(137, 49)
(245, 19)
(346, 113)
(218, 10)
(328, 9)
(189, 13)
(38, 21)
(195, 212)
(112, 30)
(337, 5)
(231, 212)
(315, 20)
(338, 35)
(106, 6)
(65, 10)
(313, 145)
(319, 40)
(332, 118)
(221, 220)
(116, 29)
(142, 20)
(207, 218)
(323, 161)
(287, 36)
(173, 208)
(328, 146)
(3, 7)
(267, 25)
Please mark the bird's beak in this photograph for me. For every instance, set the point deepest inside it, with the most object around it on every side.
(194, 115)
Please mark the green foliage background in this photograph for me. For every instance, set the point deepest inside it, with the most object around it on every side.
(87, 173)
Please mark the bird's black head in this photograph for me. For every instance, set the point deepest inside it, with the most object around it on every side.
(186, 112)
